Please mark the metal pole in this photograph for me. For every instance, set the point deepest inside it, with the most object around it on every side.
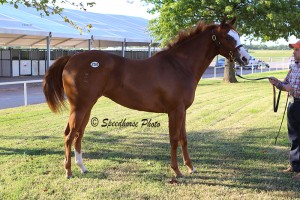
(90, 42)
(123, 47)
(48, 51)
(215, 71)
(25, 94)
(241, 67)
(149, 49)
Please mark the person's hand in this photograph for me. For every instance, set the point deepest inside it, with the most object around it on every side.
(273, 80)
(288, 88)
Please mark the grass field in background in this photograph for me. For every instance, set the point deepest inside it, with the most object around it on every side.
(271, 53)
(231, 130)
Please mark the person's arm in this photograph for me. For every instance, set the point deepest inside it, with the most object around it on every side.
(285, 85)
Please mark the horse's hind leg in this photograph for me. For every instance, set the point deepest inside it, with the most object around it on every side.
(74, 124)
(183, 143)
(78, 139)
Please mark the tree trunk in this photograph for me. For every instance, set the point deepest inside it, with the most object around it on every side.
(229, 73)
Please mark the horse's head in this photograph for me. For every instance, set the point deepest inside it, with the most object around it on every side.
(228, 42)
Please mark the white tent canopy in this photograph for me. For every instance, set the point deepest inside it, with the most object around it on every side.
(25, 27)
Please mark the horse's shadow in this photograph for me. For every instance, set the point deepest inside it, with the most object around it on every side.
(236, 162)
(240, 162)
(25, 144)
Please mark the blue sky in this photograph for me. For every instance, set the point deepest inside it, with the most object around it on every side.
(122, 7)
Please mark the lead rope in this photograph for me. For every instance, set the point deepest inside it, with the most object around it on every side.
(275, 103)
(282, 119)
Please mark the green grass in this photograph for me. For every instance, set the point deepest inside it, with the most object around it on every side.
(231, 130)
(271, 53)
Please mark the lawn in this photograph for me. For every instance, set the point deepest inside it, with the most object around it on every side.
(271, 53)
(231, 130)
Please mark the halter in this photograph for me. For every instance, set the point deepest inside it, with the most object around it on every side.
(218, 44)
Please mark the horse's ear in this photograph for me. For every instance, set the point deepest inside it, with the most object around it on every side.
(223, 21)
(232, 22)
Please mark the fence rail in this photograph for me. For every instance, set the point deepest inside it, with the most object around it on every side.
(214, 74)
(25, 87)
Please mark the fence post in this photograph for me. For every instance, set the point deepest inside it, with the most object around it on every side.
(48, 51)
(215, 71)
(123, 47)
(149, 49)
(25, 93)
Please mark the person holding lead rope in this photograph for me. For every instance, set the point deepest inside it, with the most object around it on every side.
(291, 84)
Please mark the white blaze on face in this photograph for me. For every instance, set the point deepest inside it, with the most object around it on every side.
(244, 56)
(235, 36)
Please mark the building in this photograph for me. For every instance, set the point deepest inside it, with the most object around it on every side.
(29, 42)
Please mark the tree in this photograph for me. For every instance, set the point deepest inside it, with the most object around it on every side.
(51, 7)
(268, 20)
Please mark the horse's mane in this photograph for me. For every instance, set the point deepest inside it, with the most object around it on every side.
(184, 35)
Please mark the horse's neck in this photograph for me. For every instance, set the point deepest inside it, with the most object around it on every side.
(197, 53)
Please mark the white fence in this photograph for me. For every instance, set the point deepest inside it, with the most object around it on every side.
(253, 70)
(275, 64)
(25, 87)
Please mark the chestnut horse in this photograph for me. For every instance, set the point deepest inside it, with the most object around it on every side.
(164, 83)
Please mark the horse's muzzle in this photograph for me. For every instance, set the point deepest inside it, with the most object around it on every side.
(243, 56)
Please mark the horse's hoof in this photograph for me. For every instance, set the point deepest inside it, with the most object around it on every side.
(84, 172)
(173, 181)
(193, 170)
(69, 176)
(179, 175)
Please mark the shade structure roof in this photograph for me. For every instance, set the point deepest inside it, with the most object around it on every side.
(25, 27)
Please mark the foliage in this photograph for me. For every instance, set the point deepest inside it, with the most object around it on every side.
(265, 19)
(231, 129)
(51, 7)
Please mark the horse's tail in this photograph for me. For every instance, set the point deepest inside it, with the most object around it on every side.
(53, 86)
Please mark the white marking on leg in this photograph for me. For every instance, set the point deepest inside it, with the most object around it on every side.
(193, 170)
(79, 161)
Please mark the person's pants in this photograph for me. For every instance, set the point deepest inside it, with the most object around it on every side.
(293, 120)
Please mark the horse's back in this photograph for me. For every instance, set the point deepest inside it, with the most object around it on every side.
(86, 74)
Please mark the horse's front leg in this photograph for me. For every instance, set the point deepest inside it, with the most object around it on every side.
(183, 143)
(176, 118)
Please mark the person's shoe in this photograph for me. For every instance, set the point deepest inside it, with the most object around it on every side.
(289, 170)
(297, 177)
